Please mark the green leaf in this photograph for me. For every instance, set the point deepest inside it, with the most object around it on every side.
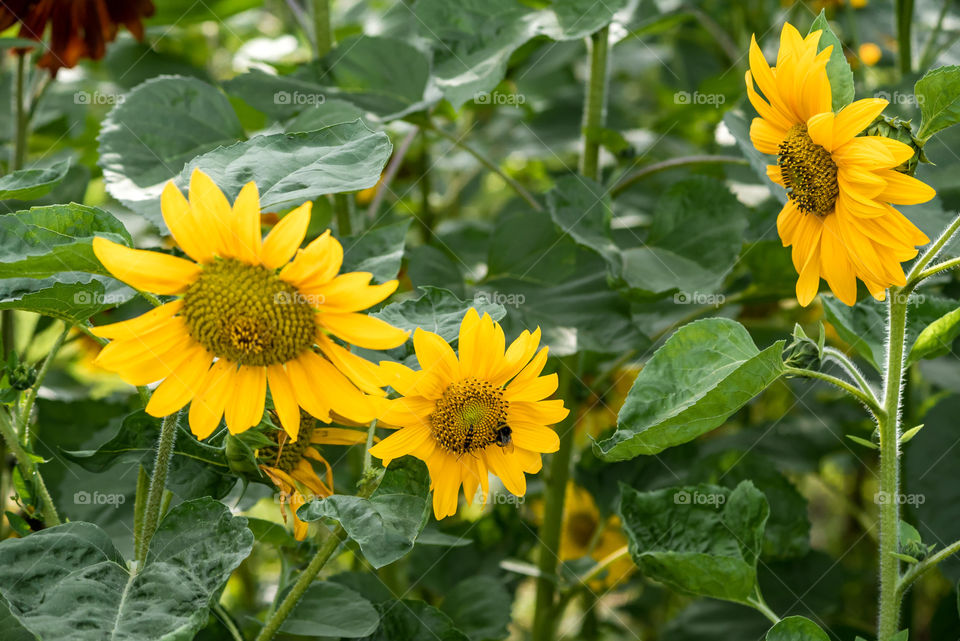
(184, 12)
(796, 629)
(270, 533)
(331, 112)
(938, 95)
(936, 338)
(387, 524)
(582, 208)
(381, 75)
(45, 240)
(140, 151)
(479, 607)
(838, 69)
(694, 240)
(739, 126)
(378, 251)
(437, 311)
(474, 39)
(196, 469)
(69, 582)
(27, 184)
(331, 610)
(70, 296)
(702, 539)
(409, 620)
(704, 373)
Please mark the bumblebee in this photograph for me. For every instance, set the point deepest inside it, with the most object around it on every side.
(505, 438)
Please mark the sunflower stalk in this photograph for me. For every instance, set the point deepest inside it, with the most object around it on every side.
(595, 104)
(31, 398)
(327, 549)
(19, 155)
(155, 495)
(28, 469)
(322, 31)
(904, 36)
(889, 422)
(546, 611)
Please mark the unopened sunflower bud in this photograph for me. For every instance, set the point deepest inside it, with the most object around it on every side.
(901, 131)
(803, 352)
(22, 377)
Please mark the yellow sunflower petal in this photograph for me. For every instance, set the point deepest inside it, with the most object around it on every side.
(904, 190)
(315, 264)
(820, 129)
(536, 438)
(206, 410)
(809, 281)
(123, 352)
(507, 468)
(336, 392)
(519, 353)
(363, 331)
(402, 442)
(539, 412)
(246, 225)
(184, 227)
(212, 212)
(445, 478)
(181, 386)
(245, 404)
(766, 137)
(306, 393)
(146, 270)
(835, 266)
(153, 366)
(787, 221)
(535, 390)
(360, 371)
(337, 436)
(435, 355)
(284, 399)
(284, 239)
(855, 117)
(141, 324)
(352, 292)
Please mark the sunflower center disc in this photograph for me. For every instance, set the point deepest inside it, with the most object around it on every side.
(466, 417)
(246, 314)
(287, 456)
(581, 527)
(809, 173)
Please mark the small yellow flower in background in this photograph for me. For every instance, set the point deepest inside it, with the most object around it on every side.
(858, 4)
(288, 466)
(586, 533)
(838, 218)
(246, 316)
(870, 54)
(482, 412)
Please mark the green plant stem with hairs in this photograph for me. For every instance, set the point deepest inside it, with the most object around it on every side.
(154, 504)
(595, 103)
(28, 469)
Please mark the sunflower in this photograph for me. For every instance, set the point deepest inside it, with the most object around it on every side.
(838, 217)
(80, 28)
(482, 412)
(288, 466)
(246, 316)
(585, 533)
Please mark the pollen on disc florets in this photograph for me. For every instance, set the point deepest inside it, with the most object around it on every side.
(809, 173)
(466, 416)
(247, 314)
(287, 454)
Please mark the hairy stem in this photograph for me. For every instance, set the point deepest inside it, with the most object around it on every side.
(917, 570)
(158, 482)
(28, 469)
(854, 391)
(595, 103)
(890, 466)
(549, 535)
(918, 270)
(27, 408)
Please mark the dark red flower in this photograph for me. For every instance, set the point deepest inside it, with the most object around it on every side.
(78, 28)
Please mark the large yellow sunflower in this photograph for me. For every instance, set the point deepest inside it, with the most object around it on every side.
(838, 217)
(246, 316)
(482, 412)
(288, 465)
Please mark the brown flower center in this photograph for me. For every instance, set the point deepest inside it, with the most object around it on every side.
(467, 415)
(287, 454)
(246, 314)
(809, 173)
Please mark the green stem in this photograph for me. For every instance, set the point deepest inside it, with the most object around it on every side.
(140, 505)
(595, 103)
(904, 28)
(489, 164)
(915, 274)
(326, 550)
(918, 569)
(7, 318)
(854, 391)
(761, 606)
(28, 469)
(841, 359)
(158, 482)
(673, 163)
(549, 535)
(890, 465)
(341, 205)
(939, 267)
(602, 565)
(227, 621)
(926, 58)
(322, 32)
(31, 397)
